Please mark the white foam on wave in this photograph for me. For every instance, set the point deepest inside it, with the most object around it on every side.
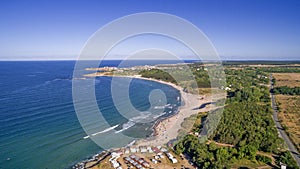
(143, 115)
(126, 126)
(103, 131)
(159, 115)
(134, 120)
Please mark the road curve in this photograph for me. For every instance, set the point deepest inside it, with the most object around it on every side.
(281, 131)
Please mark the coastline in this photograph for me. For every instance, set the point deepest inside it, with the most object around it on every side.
(164, 129)
(167, 129)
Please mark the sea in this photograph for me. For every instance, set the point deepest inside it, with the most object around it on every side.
(39, 127)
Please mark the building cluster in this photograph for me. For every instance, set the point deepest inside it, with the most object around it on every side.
(141, 149)
(140, 163)
(114, 158)
(171, 158)
(106, 68)
(137, 162)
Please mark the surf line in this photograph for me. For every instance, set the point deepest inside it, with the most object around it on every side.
(100, 132)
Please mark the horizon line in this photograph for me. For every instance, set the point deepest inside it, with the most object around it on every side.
(19, 60)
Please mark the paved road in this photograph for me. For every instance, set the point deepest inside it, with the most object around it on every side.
(281, 131)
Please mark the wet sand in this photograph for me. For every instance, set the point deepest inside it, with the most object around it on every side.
(167, 129)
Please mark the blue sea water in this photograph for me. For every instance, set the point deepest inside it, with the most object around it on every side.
(38, 124)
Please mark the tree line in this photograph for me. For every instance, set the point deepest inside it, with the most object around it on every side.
(246, 124)
(286, 90)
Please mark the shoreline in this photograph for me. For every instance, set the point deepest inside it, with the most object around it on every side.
(161, 136)
(166, 129)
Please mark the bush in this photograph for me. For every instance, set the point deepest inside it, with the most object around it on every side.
(263, 159)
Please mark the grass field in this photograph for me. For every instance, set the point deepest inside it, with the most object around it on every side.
(289, 113)
(287, 79)
(248, 164)
(289, 116)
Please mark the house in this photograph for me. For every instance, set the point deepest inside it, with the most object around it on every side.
(115, 164)
(132, 156)
(145, 164)
(171, 158)
(127, 159)
(115, 155)
(133, 150)
(282, 166)
(169, 155)
(174, 160)
(113, 159)
(127, 151)
(161, 156)
(143, 149)
(154, 161)
(149, 149)
(156, 150)
(163, 149)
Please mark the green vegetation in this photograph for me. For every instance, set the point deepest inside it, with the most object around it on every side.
(264, 159)
(214, 156)
(248, 124)
(158, 74)
(188, 77)
(281, 69)
(260, 62)
(246, 129)
(244, 135)
(286, 158)
(204, 156)
(247, 116)
(286, 90)
(201, 77)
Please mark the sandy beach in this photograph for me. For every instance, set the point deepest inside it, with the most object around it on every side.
(167, 129)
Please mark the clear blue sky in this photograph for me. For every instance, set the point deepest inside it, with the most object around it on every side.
(239, 29)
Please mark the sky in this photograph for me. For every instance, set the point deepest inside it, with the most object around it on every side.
(238, 29)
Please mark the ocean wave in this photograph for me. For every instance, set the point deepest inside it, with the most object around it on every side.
(103, 131)
(32, 114)
(143, 117)
(4, 98)
(126, 126)
(159, 115)
(22, 89)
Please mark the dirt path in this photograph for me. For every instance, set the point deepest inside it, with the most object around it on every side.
(271, 156)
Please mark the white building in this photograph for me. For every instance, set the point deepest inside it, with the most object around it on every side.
(172, 158)
(143, 149)
(133, 150)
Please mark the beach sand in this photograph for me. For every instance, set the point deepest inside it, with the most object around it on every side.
(168, 128)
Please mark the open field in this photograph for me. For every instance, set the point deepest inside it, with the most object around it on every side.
(287, 79)
(249, 164)
(289, 116)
